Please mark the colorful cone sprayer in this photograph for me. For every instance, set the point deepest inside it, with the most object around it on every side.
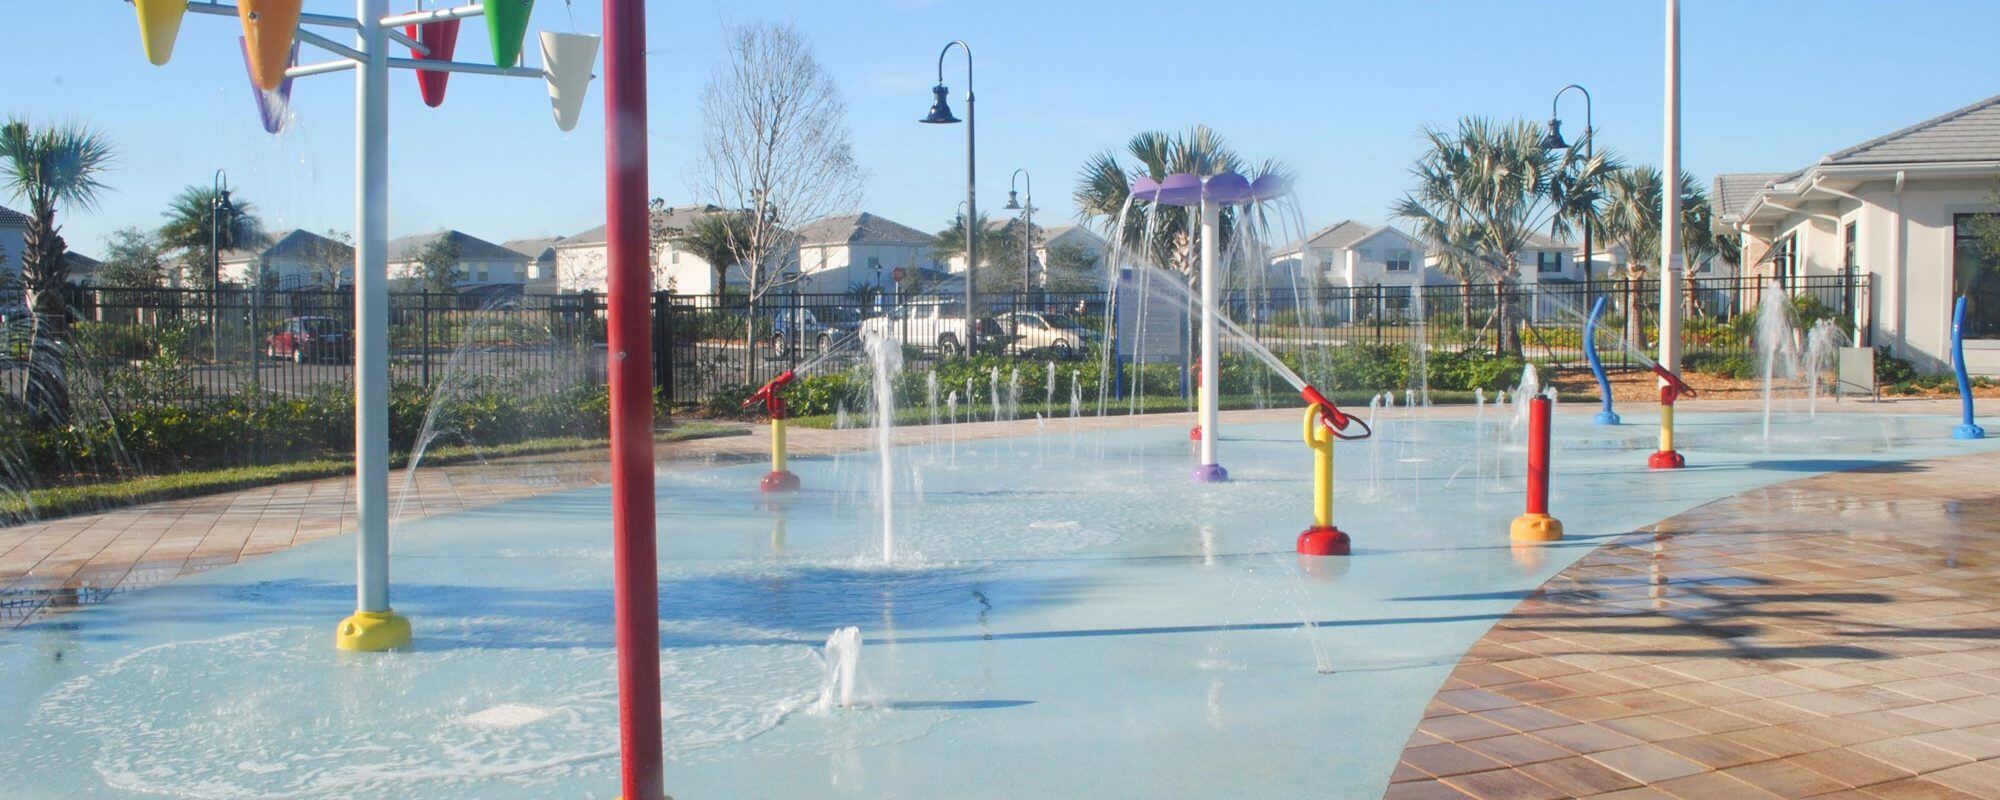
(779, 479)
(1324, 423)
(1671, 387)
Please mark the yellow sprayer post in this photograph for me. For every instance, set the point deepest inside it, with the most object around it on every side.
(1322, 539)
(778, 445)
(1321, 441)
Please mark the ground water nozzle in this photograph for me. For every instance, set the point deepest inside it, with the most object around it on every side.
(774, 404)
(780, 478)
(1330, 415)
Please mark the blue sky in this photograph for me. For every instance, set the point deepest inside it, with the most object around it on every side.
(1337, 89)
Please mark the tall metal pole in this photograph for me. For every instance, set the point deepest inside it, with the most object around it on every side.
(1670, 214)
(1211, 351)
(971, 213)
(635, 571)
(374, 626)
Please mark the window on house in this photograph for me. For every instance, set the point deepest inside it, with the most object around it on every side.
(673, 254)
(1396, 260)
(1325, 260)
(1546, 261)
(1976, 271)
(1848, 258)
(1367, 254)
(1784, 264)
(479, 273)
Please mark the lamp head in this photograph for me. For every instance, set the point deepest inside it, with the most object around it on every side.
(1013, 201)
(1554, 141)
(940, 110)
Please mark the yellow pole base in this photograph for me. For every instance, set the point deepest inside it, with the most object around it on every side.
(373, 632)
(1536, 528)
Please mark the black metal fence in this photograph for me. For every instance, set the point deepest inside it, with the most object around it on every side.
(182, 346)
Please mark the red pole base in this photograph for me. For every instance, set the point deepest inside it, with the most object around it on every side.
(1666, 459)
(1328, 541)
(1194, 434)
(785, 481)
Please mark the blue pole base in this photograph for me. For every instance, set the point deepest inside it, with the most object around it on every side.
(1968, 431)
(1605, 418)
(1210, 473)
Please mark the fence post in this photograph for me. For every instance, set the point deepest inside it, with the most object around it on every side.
(424, 315)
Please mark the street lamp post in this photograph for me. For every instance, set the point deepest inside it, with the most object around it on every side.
(219, 207)
(1021, 176)
(941, 115)
(1554, 141)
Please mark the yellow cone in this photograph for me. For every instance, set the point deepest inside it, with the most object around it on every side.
(268, 29)
(159, 25)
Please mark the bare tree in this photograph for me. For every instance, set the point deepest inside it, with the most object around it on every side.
(328, 260)
(775, 146)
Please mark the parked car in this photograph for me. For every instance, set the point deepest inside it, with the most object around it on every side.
(928, 325)
(802, 327)
(303, 339)
(1039, 330)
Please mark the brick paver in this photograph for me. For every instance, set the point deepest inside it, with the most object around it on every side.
(1836, 636)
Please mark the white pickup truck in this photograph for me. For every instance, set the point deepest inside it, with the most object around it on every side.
(926, 325)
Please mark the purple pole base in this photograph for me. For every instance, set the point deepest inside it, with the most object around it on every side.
(1210, 473)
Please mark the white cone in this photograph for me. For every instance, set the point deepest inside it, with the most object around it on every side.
(567, 59)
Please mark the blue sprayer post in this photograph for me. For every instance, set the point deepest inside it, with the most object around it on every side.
(1606, 416)
(1967, 429)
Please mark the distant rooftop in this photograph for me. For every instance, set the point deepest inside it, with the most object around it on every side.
(470, 248)
(862, 228)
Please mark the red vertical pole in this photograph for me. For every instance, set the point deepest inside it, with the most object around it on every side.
(1539, 409)
(635, 573)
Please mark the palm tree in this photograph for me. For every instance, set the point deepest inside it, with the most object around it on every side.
(1631, 218)
(997, 247)
(188, 230)
(49, 167)
(1484, 189)
(716, 238)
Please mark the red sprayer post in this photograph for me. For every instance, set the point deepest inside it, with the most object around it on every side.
(1194, 433)
(635, 573)
(1671, 388)
(780, 478)
(1536, 525)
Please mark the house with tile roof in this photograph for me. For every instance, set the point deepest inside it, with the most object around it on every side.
(844, 251)
(541, 254)
(1899, 210)
(485, 269)
(297, 260)
(581, 259)
(1350, 254)
(1077, 250)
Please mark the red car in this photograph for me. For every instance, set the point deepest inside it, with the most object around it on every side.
(303, 339)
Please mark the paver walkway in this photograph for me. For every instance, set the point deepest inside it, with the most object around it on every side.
(1836, 636)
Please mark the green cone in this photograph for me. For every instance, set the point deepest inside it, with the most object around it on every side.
(507, 21)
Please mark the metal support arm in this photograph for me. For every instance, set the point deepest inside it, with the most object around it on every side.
(437, 15)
